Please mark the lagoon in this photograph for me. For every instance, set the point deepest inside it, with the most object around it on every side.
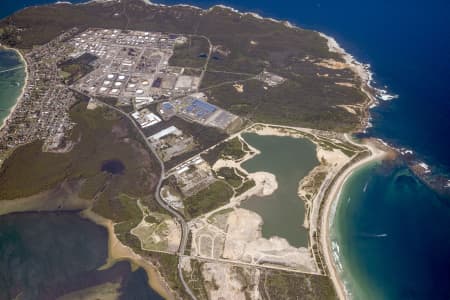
(289, 159)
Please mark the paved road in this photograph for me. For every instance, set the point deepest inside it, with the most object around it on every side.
(205, 67)
(175, 213)
(252, 265)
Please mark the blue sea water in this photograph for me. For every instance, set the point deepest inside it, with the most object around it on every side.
(12, 79)
(393, 235)
(407, 44)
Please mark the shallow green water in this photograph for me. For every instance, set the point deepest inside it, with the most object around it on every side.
(11, 82)
(289, 159)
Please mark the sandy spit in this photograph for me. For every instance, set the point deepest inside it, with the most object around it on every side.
(118, 252)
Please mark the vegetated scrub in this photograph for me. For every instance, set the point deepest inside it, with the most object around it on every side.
(233, 149)
(291, 103)
(215, 78)
(230, 176)
(305, 99)
(248, 184)
(191, 54)
(196, 281)
(210, 198)
(74, 69)
(228, 149)
(100, 135)
(122, 209)
(285, 285)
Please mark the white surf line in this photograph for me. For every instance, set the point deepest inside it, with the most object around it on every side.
(12, 69)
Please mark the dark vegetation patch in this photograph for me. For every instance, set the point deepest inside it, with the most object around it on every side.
(190, 54)
(123, 210)
(29, 170)
(187, 250)
(230, 176)
(213, 155)
(248, 184)
(168, 266)
(210, 198)
(233, 149)
(9, 35)
(293, 286)
(303, 102)
(152, 219)
(228, 149)
(75, 68)
(305, 99)
(93, 186)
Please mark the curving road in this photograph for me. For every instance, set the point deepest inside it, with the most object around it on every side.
(175, 213)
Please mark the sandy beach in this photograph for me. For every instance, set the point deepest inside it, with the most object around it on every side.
(118, 251)
(329, 210)
(19, 98)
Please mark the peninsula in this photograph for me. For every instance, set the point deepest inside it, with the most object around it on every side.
(136, 116)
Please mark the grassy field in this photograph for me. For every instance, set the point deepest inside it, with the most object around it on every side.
(210, 198)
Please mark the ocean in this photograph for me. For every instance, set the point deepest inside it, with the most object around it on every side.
(393, 235)
(12, 78)
(407, 44)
